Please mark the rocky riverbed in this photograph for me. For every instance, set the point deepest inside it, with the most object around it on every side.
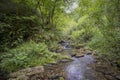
(83, 65)
(84, 68)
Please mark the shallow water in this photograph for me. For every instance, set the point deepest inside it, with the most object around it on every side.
(83, 68)
(79, 69)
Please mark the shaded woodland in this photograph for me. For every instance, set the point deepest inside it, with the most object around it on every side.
(31, 29)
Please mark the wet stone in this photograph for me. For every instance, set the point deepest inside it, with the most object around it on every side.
(118, 77)
(79, 56)
(72, 55)
(55, 77)
(24, 74)
(53, 63)
(110, 77)
(82, 66)
(89, 53)
(50, 65)
(64, 60)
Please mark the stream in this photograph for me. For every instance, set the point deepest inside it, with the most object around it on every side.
(79, 68)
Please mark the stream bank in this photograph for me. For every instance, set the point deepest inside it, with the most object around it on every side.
(83, 65)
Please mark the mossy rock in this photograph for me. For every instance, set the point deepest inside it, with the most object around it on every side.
(61, 78)
(24, 74)
(79, 46)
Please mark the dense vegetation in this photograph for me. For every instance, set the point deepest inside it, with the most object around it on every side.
(26, 32)
(30, 29)
(99, 27)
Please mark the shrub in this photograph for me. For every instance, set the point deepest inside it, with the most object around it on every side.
(27, 55)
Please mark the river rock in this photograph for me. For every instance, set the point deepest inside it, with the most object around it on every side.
(61, 42)
(55, 77)
(118, 77)
(79, 56)
(104, 70)
(79, 46)
(65, 60)
(110, 77)
(59, 50)
(24, 74)
(55, 63)
(88, 52)
(72, 54)
(80, 53)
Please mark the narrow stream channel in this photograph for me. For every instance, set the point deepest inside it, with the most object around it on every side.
(84, 67)
(79, 68)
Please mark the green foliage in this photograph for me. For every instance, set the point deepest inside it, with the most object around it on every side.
(12, 34)
(23, 20)
(17, 24)
(102, 22)
(27, 55)
(93, 22)
(76, 34)
(99, 21)
(108, 25)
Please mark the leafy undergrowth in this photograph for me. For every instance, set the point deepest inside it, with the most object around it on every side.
(27, 55)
